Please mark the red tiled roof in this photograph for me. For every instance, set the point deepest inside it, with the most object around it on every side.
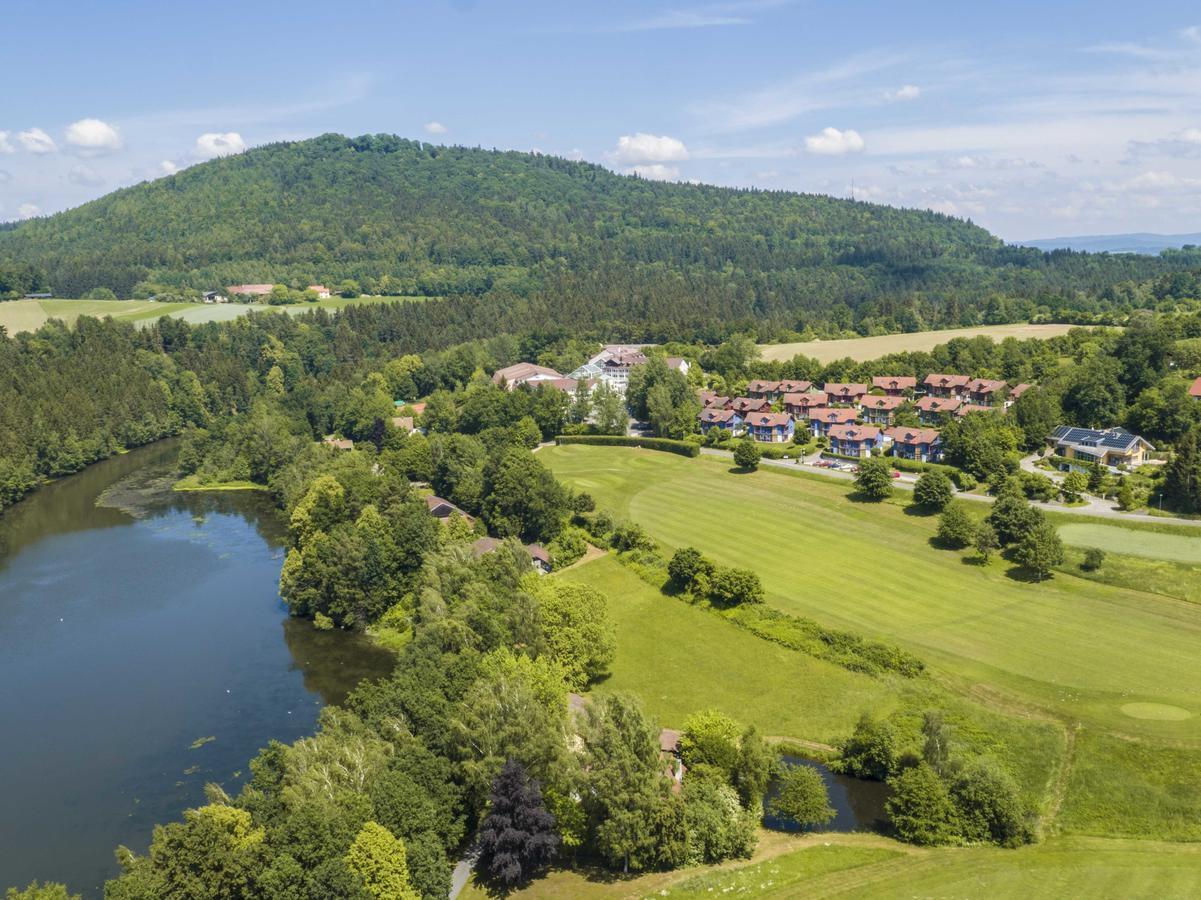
(404, 423)
(250, 288)
(763, 386)
(795, 387)
(1023, 387)
(829, 414)
(939, 404)
(894, 382)
(1195, 390)
(874, 401)
(946, 380)
(522, 371)
(748, 404)
(769, 419)
(838, 388)
(849, 432)
(912, 435)
(984, 386)
(714, 416)
(806, 399)
(973, 407)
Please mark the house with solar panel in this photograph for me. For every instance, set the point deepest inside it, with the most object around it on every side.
(1112, 447)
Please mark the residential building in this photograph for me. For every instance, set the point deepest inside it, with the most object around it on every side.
(728, 420)
(798, 405)
(946, 385)
(1195, 389)
(921, 444)
(404, 424)
(848, 394)
(1020, 389)
(1109, 446)
(678, 363)
(895, 385)
(338, 443)
(539, 555)
(442, 509)
(746, 405)
(879, 409)
(763, 390)
(929, 408)
(795, 387)
(771, 428)
(713, 400)
(855, 440)
(522, 373)
(567, 385)
(822, 417)
(215, 297)
(250, 290)
(323, 293)
(985, 391)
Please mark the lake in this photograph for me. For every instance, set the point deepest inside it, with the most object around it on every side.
(858, 803)
(136, 622)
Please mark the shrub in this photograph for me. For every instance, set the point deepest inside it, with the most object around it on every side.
(955, 527)
(965, 481)
(686, 564)
(729, 585)
(683, 448)
(921, 808)
(747, 455)
(871, 751)
(1094, 558)
(570, 544)
(989, 807)
(933, 491)
(1074, 484)
(630, 536)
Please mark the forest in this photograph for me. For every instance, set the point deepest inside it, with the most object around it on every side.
(519, 239)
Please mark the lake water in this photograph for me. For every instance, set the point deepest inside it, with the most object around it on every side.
(859, 803)
(134, 622)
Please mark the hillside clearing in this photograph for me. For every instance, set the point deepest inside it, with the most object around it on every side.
(862, 349)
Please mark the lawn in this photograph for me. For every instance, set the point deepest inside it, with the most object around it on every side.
(1074, 648)
(1171, 547)
(862, 349)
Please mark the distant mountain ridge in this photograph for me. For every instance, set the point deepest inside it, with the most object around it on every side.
(1136, 242)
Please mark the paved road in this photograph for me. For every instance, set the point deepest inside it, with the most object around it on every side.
(461, 875)
(1095, 507)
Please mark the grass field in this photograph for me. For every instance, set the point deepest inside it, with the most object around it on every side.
(1077, 649)
(29, 315)
(1147, 544)
(861, 349)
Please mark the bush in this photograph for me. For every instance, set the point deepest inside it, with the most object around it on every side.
(921, 808)
(570, 544)
(965, 481)
(1073, 485)
(630, 536)
(1094, 558)
(747, 455)
(956, 528)
(683, 448)
(933, 491)
(729, 586)
(686, 564)
(871, 751)
(989, 806)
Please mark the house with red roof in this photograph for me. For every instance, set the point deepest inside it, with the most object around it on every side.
(855, 440)
(946, 385)
(745, 405)
(879, 409)
(1195, 389)
(849, 394)
(895, 385)
(727, 420)
(985, 391)
(522, 373)
(822, 417)
(929, 408)
(798, 405)
(763, 390)
(770, 427)
(921, 444)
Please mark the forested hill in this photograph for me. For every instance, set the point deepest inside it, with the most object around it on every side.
(404, 217)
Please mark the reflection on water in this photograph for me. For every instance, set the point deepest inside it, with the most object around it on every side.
(859, 804)
(130, 628)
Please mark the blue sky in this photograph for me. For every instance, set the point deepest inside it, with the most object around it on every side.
(1032, 119)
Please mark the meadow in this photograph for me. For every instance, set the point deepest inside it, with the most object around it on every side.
(1147, 544)
(868, 348)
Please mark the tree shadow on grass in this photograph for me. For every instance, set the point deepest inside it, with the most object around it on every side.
(1024, 575)
(974, 559)
(739, 470)
(858, 496)
(939, 543)
(921, 512)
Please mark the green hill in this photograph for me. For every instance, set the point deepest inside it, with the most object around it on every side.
(407, 218)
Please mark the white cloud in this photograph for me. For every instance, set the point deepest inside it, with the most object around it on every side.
(213, 143)
(37, 141)
(434, 128)
(684, 18)
(5, 144)
(634, 149)
(85, 176)
(28, 210)
(904, 92)
(655, 171)
(575, 154)
(1192, 33)
(166, 167)
(832, 142)
(91, 137)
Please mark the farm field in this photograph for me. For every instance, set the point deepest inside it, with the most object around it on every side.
(1148, 544)
(850, 866)
(1078, 650)
(29, 315)
(862, 349)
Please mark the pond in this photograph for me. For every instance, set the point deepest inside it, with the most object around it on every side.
(859, 804)
(144, 651)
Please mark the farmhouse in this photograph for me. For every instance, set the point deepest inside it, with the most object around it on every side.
(522, 373)
(727, 420)
(821, 418)
(848, 394)
(985, 391)
(771, 428)
(855, 440)
(323, 293)
(929, 408)
(1108, 447)
(250, 290)
(895, 385)
(946, 385)
(922, 444)
(539, 556)
(880, 409)
(798, 405)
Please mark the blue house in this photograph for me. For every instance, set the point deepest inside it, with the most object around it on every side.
(771, 428)
(855, 440)
(921, 444)
(728, 420)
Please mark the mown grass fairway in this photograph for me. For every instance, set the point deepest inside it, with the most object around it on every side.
(861, 349)
(1078, 649)
(1148, 544)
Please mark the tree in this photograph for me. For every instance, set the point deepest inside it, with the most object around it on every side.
(1012, 516)
(716, 826)
(921, 808)
(747, 455)
(1126, 498)
(956, 528)
(874, 479)
(987, 542)
(936, 741)
(685, 565)
(1094, 558)
(575, 628)
(803, 797)
(523, 498)
(754, 768)
(1182, 475)
(1040, 550)
(933, 490)
(1073, 485)
(609, 410)
(36, 891)
(989, 804)
(710, 739)
(730, 585)
(625, 789)
(378, 858)
(322, 507)
(517, 837)
(871, 751)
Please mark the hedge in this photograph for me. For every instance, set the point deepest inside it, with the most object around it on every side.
(916, 465)
(683, 448)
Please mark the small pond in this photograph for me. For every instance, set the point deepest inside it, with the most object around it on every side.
(859, 804)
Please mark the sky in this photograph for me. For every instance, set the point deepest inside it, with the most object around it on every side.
(1033, 119)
